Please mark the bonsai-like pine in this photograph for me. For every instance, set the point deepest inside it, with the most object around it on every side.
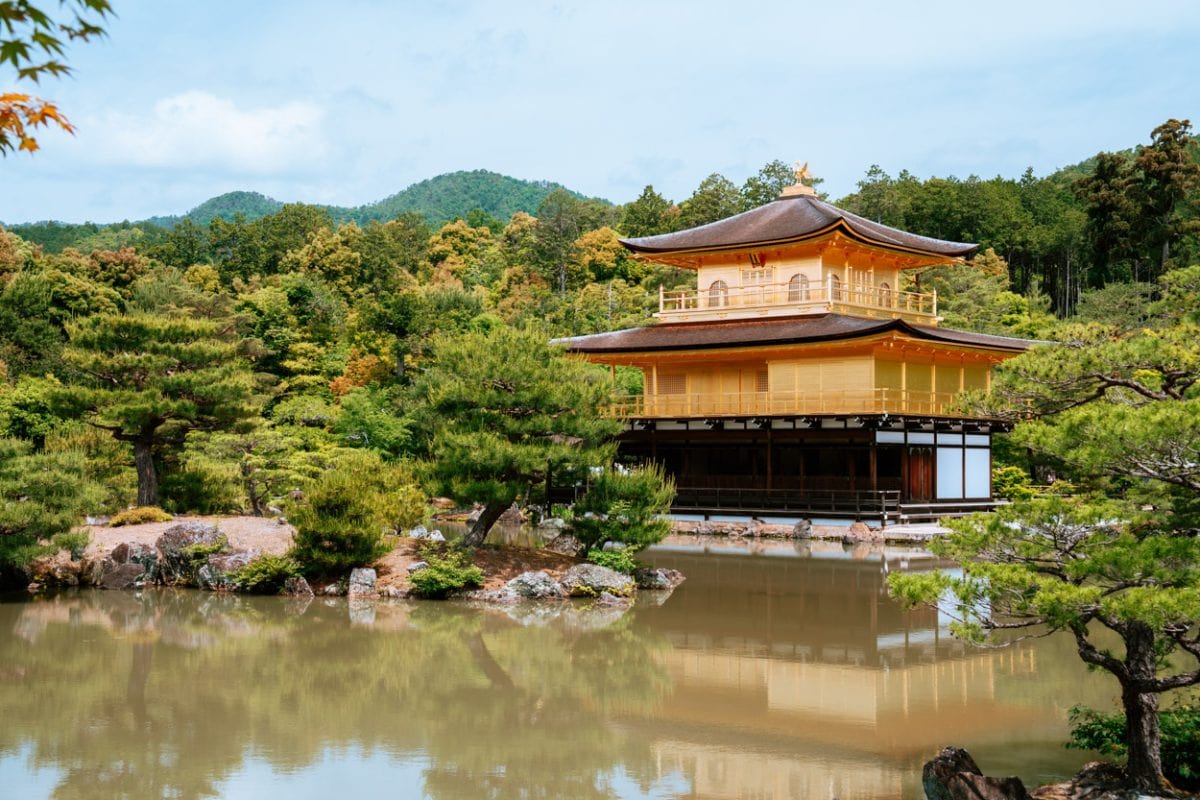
(150, 379)
(625, 506)
(504, 411)
(1119, 414)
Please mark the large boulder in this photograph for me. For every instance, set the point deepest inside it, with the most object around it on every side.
(552, 525)
(362, 583)
(566, 544)
(802, 529)
(183, 548)
(658, 578)
(592, 580)
(512, 517)
(218, 573)
(130, 565)
(953, 775)
(537, 585)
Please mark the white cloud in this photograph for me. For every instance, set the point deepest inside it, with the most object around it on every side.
(200, 130)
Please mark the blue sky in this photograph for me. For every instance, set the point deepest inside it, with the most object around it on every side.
(351, 101)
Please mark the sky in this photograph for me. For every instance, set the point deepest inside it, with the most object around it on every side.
(348, 102)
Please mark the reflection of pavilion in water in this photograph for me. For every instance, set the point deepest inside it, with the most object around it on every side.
(842, 691)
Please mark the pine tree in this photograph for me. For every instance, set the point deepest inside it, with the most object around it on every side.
(151, 379)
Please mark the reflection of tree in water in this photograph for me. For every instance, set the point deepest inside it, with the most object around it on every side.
(534, 721)
(166, 695)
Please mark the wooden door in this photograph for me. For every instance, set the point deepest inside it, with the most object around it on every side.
(919, 485)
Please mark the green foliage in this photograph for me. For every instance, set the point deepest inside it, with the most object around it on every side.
(343, 517)
(151, 379)
(498, 412)
(139, 515)
(1105, 733)
(199, 552)
(626, 506)
(42, 495)
(369, 419)
(448, 571)
(1012, 483)
(621, 560)
(74, 542)
(198, 487)
(266, 574)
(265, 462)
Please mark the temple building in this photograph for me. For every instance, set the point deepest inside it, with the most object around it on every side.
(797, 378)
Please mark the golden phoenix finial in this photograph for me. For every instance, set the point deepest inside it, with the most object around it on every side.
(802, 173)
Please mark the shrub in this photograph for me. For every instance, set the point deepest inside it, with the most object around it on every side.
(74, 542)
(139, 516)
(266, 574)
(198, 553)
(341, 521)
(620, 560)
(1180, 730)
(201, 489)
(447, 572)
(625, 506)
(1012, 483)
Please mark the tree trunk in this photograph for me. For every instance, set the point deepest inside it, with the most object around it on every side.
(1141, 727)
(1141, 711)
(147, 474)
(480, 527)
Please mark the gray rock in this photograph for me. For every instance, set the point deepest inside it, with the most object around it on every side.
(566, 544)
(436, 536)
(417, 566)
(282, 521)
(550, 524)
(112, 575)
(362, 583)
(177, 562)
(802, 529)
(658, 578)
(475, 514)
(334, 590)
(537, 585)
(217, 573)
(592, 580)
(512, 516)
(297, 587)
(418, 532)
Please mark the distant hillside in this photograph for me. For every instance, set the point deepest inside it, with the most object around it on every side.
(456, 194)
(439, 200)
(250, 205)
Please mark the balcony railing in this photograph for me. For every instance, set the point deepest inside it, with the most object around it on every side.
(783, 403)
(773, 298)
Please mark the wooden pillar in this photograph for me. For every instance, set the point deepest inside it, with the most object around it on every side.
(874, 464)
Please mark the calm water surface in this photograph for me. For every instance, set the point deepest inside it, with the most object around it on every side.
(774, 672)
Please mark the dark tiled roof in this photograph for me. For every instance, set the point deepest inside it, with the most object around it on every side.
(784, 330)
(792, 219)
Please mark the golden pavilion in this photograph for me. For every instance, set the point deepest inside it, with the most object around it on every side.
(797, 378)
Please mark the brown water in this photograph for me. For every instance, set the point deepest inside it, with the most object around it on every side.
(779, 673)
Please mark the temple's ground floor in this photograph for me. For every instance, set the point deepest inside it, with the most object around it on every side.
(882, 467)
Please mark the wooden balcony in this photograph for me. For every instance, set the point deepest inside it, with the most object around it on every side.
(764, 404)
(785, 299)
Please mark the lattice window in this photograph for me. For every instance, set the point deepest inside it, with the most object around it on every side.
(718, 294)
(760, 381)
(672, 383)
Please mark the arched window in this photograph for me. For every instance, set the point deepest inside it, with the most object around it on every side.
(835, 288)
(718, 294)
(885, 295)
(798, 288)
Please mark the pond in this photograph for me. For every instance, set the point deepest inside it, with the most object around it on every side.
(777, 670)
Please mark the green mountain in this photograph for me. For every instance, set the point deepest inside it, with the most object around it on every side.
(439, 200)
(250, 205)
(456, 194)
